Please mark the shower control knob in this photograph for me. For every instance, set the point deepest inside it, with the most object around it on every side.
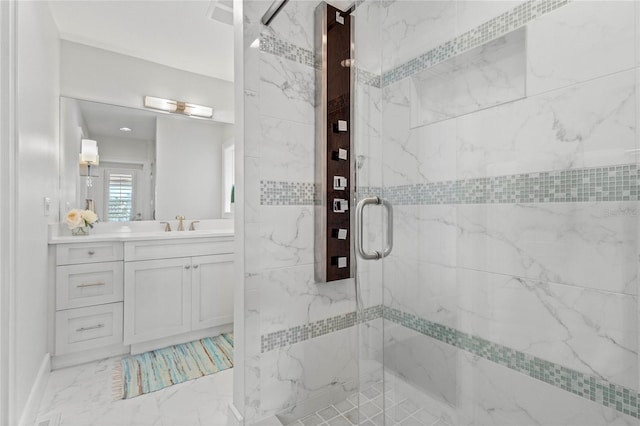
(340, 205)
(339, 261)
(340, 154)
(340, 234)
(340, 126)
(339, 183)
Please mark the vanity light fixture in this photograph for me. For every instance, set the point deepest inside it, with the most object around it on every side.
(178, 107)
(125, 129)
(89, 157)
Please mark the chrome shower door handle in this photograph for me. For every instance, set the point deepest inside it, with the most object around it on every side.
(389, 208)
(359, 225)
(360, 235)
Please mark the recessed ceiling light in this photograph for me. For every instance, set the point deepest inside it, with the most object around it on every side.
(125, 129)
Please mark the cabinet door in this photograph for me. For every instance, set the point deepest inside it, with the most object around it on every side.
(212, 280)
(157, 299)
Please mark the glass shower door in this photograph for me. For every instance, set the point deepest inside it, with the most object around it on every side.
(505, 134)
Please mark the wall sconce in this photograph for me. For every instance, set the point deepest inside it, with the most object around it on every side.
(89, 157)
(178, 107)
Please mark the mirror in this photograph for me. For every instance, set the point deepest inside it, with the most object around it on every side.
(152, 165)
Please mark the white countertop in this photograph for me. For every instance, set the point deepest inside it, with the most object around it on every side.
(138, 231)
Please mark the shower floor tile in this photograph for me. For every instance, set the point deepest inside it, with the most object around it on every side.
(401, 410)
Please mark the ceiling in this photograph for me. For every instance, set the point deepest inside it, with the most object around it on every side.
(106, 120)
(187, 34)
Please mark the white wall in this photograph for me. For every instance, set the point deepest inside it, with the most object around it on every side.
(38, 94)
(188, 168)
(125, 150)
(71, 133)
(103, 76)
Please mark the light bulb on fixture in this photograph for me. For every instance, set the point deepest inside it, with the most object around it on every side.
(178, 107)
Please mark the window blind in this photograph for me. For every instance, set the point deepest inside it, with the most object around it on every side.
(120, 206)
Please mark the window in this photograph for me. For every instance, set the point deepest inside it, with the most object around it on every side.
(120, 194)
(228, 178)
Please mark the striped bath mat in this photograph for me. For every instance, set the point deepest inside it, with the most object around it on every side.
(154, 370)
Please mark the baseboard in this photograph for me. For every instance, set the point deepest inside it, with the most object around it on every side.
(30, 411)
(138, 348)
(68, 360)
(234, 415)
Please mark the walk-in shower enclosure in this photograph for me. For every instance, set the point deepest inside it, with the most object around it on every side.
(505, 135)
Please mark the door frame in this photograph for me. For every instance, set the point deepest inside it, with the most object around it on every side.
(8, 205)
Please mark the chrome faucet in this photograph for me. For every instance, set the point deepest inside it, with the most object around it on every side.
(192, 226)
(181, 223)
(167, 227)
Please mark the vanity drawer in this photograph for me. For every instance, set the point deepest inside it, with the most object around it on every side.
(69, 254)
(149, 250)
(89, 284)
(88, 328)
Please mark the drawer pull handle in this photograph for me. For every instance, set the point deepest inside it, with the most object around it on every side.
(195, 266)
(92, 252)
(187, 267)
(91, 284)
(93, 327)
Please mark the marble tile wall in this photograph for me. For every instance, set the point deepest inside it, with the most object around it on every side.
(294, 326)
(549, 274)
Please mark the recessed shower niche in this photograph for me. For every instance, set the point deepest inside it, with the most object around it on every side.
(483, 77)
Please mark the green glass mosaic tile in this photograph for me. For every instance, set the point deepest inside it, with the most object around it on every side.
(490, 30)
(612, 183)
(586, 386)
(300, 333)
(590, 387)
(275, 46)
(276, 193)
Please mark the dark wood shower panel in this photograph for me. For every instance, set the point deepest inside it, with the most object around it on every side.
(338, 108)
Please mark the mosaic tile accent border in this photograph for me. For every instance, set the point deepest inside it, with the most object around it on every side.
(285, 49)
(278, 193)
(492, 29)
(368, 78)
(593, 388)
(278, 47)
(612, 183)
(300, 333)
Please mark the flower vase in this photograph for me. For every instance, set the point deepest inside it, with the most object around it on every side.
(81, 230)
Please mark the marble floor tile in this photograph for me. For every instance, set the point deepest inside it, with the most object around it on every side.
(82, 395)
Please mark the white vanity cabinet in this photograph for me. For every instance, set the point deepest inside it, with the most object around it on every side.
(168, 296)
(157, 299)
(131, 294)
(88, 297)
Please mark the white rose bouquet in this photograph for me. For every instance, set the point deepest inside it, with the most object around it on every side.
(77, 218)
